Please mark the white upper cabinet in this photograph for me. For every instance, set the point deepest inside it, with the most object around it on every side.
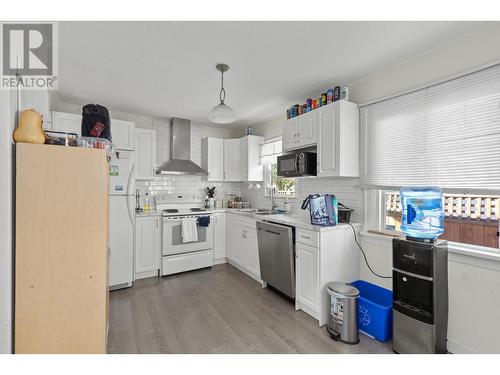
(250, 168)
(307, 129)
(145, 153)
(66, 122)
(232, 160)
(212, 158)
(123, 134)
(289, 134)
(338, 140)
(300, 131)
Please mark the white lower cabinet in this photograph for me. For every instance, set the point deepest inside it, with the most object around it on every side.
(147, 246)
(242, 246)
(219, 224)
(323, 257)
(252, 252)
(307, 277)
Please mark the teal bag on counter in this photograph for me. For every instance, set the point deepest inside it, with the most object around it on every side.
(323, 209)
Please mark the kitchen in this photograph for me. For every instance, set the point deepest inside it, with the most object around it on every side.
(205, 234)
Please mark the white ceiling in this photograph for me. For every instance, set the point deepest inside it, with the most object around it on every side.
(166, 69)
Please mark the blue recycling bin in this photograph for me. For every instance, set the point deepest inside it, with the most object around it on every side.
(374, 310)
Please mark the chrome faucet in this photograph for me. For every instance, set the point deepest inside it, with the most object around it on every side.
(274, 206)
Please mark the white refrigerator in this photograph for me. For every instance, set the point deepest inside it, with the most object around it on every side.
(121, 219)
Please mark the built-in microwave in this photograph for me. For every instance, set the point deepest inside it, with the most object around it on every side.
(297, 164)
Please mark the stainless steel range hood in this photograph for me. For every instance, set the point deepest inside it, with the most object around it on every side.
(180, 151)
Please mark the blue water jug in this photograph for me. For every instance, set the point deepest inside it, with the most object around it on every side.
(423, 215)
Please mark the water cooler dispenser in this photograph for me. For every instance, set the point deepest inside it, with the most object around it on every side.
(420, 275)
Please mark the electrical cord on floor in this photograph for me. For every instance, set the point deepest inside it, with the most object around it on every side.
(364, 255)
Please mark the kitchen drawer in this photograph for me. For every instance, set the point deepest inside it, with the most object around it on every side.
(307, 237)
(186, 262)
(245, 222)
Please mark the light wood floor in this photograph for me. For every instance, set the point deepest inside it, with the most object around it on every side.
(218, 310)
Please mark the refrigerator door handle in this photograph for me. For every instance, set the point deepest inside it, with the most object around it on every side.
(128, 194)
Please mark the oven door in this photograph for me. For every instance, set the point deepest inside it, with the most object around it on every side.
(288, 165)
(172, 237)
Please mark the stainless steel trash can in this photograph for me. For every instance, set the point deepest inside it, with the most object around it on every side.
(343, 320)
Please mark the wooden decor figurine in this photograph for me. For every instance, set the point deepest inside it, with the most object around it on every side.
(29, 129)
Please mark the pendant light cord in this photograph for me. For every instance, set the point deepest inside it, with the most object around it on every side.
(222, 90)
(364, 255)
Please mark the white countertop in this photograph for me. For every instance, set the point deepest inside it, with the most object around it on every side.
(287, 219)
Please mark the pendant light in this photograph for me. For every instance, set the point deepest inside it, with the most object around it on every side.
(222, 113)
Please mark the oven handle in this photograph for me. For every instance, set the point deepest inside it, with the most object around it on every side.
(297, 163)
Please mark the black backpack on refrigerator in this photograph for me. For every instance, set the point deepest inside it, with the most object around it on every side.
(96, 121)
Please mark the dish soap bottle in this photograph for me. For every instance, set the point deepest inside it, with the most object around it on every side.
(147, 203)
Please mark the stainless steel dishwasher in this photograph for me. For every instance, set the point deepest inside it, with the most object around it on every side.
(277, 256)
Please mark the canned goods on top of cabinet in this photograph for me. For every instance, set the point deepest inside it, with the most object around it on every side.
(329, 95)
(336, 93)
(314, 104)
(296, 110)
(344, 93)
(301, 109)
(319, 102)
(323, 99)
(309, 104)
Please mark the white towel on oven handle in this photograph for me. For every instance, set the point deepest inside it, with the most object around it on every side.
(190, 229)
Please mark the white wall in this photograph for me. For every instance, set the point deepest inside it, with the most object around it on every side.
(141, 121)
(7, 113)
(469, 52)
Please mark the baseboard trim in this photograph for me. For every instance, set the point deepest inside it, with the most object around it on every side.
(245, 271)
(308, 311)
(220, 261)
(456, 347)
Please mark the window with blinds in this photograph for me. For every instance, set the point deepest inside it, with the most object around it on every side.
(446, 135)
(281, 186)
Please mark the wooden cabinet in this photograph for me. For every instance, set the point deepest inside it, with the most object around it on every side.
(307, 275)
(212, 158)
(66, 122)
(249, 159)
(232, 160)
(338, 140)
(145, 154)
(147, 246)
(300, 131)
(242, 246)
(123, 134)
(219, 224)
(61, 275)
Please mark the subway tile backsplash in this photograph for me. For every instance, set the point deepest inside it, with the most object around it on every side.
(346, 190)
(190, 186)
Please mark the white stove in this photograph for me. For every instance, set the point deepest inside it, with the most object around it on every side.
(178, 255)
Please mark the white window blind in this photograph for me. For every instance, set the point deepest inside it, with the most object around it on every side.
(446, 135)
(270, 151)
